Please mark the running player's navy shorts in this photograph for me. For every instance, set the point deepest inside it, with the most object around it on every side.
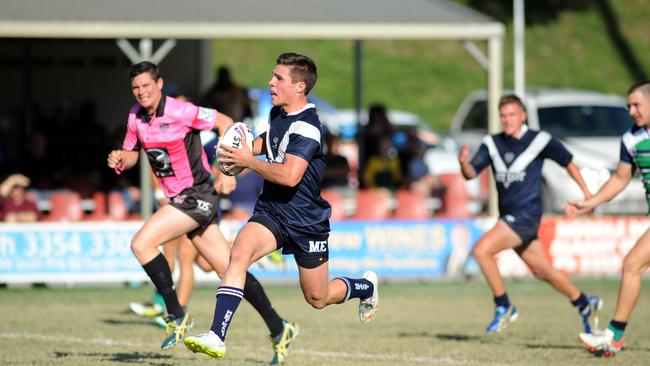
(309, 246)
(525, 227)
(201, 203)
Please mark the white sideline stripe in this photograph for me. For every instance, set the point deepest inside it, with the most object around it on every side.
(43, 337)
(324, 354)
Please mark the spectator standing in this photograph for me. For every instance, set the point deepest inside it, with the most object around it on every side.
(228, 97)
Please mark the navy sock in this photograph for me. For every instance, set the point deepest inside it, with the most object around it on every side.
(255, 295)
(228, 299)
(161, 276)
(502, 300)
(581, 302)
(357, 288)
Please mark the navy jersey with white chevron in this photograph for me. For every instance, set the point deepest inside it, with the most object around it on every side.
(299, 134)
(517, 167)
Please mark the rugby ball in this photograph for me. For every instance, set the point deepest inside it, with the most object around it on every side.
(235, 136)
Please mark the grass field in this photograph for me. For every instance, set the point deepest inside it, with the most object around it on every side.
(418, 323)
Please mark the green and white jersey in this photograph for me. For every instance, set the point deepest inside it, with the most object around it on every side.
(635, 150)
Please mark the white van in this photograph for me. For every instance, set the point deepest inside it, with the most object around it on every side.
(590, 125)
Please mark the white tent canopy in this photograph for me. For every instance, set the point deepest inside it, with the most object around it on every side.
(259, 19)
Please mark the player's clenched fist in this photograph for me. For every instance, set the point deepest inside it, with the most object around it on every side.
(115, 159)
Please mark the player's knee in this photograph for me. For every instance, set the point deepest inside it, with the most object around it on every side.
(632, 264)
(316, 302)
(542, 274)
(238, 258)
(137, 246)
(480, 252)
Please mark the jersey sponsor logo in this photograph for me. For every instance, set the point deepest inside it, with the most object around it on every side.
(164, 127)
(203, 205)
(317, 246)
(205, 114)
(507, 178)
(160, 162)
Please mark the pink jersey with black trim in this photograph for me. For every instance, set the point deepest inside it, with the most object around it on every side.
(171, 141)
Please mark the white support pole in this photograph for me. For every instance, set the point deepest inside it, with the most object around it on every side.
(519, 21)
(495, 85)
(146, 47)
(146, 190)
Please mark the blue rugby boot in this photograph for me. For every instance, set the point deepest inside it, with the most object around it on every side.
(176, 328)
(502, 316)
(589, 314)
(283, 341)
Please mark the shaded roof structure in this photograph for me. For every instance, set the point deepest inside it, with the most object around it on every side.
(258, 19)
(213, 19)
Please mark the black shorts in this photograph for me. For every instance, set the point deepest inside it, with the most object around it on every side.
(310, 247)
(201, 203)
(525, 227)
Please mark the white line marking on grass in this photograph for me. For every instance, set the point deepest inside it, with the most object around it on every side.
(400, 358)
(56, 338)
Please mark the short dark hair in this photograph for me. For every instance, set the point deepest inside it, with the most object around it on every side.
(511, 99)
(142, 67)
(642, 85)
(302, 68)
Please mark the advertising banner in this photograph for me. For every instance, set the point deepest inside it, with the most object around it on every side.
(100, 252)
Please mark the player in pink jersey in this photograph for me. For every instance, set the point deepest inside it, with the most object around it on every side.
(167, 131)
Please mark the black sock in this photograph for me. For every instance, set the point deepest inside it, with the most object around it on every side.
(255, 295)
(581, 302)
(359, 288)
(161, 276)
(502, 300)
(618, 325)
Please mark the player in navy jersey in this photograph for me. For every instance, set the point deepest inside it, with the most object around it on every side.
(635, 154)
(516, 156)
(290, 213)
(168, 131)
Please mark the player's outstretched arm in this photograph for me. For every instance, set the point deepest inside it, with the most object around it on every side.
(122, 159)
(222, 122)
(616, 183)
(574, 172)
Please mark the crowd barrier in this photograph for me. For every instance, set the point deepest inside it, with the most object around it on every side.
(99, 252)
